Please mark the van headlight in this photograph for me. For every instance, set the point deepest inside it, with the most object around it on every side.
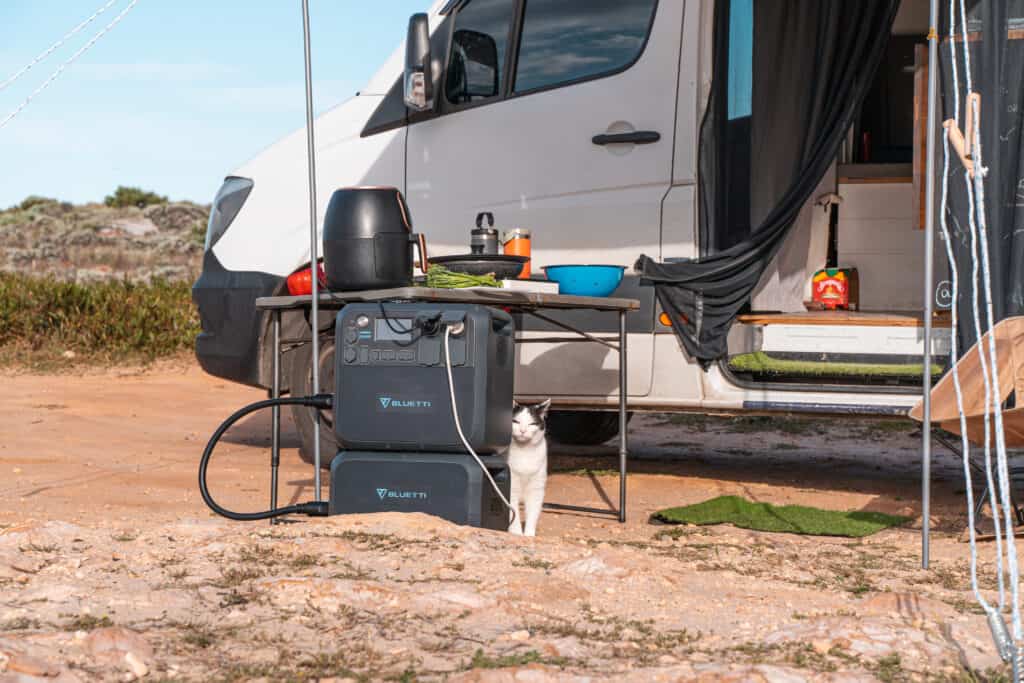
(226, 205)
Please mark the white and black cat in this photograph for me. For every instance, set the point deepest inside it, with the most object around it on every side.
(527, 459)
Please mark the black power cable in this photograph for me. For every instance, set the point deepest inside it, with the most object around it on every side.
(313, 508)
(423, 325)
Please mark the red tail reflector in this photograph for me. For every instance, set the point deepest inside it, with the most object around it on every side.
(300, 282)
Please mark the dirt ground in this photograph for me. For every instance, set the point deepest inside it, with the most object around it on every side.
(111, 567)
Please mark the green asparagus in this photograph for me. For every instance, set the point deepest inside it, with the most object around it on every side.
(442, 278)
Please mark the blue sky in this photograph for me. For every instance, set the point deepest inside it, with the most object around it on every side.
(178, 93)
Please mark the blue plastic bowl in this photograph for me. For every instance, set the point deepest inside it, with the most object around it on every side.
(585, 280)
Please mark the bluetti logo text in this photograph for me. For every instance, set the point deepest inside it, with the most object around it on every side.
(383, 493)
(388, 403)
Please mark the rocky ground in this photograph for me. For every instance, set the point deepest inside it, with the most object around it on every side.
(94, 241)
(112, 569)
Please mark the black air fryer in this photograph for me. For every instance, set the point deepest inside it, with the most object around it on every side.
(368, 240)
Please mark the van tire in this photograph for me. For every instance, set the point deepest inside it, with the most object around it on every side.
(583, 427)
(301, 382)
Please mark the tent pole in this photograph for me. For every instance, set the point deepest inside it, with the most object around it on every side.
(929, 278)
(313, 260)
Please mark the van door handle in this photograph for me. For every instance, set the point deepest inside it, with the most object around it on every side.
(639, 137)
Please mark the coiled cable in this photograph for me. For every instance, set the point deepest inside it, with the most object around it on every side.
(313, 509)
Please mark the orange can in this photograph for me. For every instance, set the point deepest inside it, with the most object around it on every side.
(517, 243)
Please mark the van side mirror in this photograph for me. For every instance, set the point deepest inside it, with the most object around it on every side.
(474, 70)
(419, 79)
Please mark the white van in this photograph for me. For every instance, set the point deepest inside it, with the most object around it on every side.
(579, 120)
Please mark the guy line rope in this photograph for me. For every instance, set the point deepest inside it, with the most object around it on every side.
(78, 53)
(1009, 647)
(48, 51)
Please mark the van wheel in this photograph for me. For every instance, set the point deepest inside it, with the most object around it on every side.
(301, 383)
(583, 427)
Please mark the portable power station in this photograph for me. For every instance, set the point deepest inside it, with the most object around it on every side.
(423, 401)
(391, 379)
(447, 485)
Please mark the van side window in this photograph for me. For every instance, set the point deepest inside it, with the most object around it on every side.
(479, 45)
(571, 40)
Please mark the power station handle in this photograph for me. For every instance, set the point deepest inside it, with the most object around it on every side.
(501, 323)
(482, 216)
(421, 242)
(640, 137)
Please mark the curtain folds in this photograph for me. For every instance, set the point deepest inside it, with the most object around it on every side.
(996, 44)
(811, 66)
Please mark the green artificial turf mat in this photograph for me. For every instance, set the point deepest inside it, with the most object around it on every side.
(763, 364)
(792, 519)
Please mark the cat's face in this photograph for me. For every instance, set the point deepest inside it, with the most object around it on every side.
(529, 422)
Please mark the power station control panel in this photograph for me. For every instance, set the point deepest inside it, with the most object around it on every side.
(383, 339)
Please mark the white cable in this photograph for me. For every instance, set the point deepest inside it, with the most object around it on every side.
(82, 50)
(458, 426)
(995, 498)
(965, 444)
(1006, 644)
(48, 51)
(997, 408)
(993, 398)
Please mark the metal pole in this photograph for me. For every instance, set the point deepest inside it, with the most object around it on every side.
(275, 419)
(313, 260)
(929, 268)
(623, 417)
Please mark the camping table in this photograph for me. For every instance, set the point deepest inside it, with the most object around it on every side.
(530, 303)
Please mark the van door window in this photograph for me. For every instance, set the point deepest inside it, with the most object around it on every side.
(565, 41)
(479, 44)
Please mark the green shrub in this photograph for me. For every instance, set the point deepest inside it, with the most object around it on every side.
(132, 196)
(198, 233)
(34, 200)
(111, 321)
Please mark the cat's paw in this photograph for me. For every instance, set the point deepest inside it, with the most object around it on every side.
(514, 528)
(530, 532)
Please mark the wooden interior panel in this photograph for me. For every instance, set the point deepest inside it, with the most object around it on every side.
(878, 180)
(920, 130)
(857, 318)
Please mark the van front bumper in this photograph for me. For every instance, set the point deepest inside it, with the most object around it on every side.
(229, 345)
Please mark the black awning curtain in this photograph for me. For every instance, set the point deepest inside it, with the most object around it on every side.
(996, 46)
(789, 76)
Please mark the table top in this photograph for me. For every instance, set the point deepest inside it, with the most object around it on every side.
(483, 296)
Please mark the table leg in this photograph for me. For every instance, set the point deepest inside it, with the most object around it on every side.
(623, 421)
(275, 423)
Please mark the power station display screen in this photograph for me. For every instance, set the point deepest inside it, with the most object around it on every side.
(393, 329)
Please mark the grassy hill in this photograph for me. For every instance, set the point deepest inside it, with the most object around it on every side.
(103, 241)
(100, 283)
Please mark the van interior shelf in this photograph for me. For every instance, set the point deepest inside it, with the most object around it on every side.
(876, 180)
(850, 174)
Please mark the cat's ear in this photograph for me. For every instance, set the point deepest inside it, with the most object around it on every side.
(515, 406)
(542, 408)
